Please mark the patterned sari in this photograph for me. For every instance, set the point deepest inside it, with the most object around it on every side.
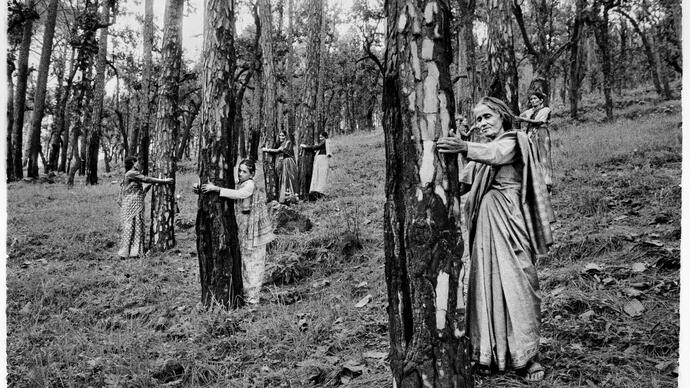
(132, 215)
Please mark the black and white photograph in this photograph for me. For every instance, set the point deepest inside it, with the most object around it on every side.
(343, 193)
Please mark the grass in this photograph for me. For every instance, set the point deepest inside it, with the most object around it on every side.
(79, 316)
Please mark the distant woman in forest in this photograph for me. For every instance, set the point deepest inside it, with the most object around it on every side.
(508, 215)
(131, 202)
(254, 227)
(319, 176)
(537, 119)
(286, 168)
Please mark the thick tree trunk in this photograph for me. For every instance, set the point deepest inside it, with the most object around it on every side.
(503, 82)
(466, 87)
(289, 73)
(94, 138)
(311, 118)
(423, 244)
(269, 112)
(40, 92)
(162, 236)
(144, 119)
(20, 97)
(220, 266)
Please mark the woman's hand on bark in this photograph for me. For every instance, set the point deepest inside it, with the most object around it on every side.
(451, 144)
(209, 188)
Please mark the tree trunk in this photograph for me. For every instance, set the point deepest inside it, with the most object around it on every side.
(601, 33)
(40, 92)
(503, 81)
(220, 266)
(10, 118)
(162, 236)
(576, 58)
(269, 112)
(187, 131)
(62, 95)
(20, 97)
(94, 132)
(321, 85)
(310, 114)
(80, 115)
(466, 87)
(289, 73)
(422, 240)
(144, 119)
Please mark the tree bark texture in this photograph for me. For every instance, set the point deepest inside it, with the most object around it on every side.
(220, 266)
(310, 113)
(94, 131)
(167, 126)
(601, 34)
(62, 95)
(503, 77)
(144, 120)
(80, 115)
(466, 89)
(9, 171)
(289, 73)
(41, 86)
(576, 71)
(20, 96)
(423, 244)
(269, 113)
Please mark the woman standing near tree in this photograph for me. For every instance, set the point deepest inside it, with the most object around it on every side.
(254, 227)
(537, 119)
(286, 168)
(319, 175)
(131, 201)
(509, 215)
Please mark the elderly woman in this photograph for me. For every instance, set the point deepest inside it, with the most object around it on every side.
(509, 215)
(286, 168)
(537, 119)
(131, 200)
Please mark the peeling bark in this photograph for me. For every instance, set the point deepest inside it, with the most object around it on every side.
(503, 81)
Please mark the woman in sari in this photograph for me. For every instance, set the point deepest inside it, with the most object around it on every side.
(286, 168)
(131, 201)
(509, 215)
(254, 227)
(319, 176)
(537, 119)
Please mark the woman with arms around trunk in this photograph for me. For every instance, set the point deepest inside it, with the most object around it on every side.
(132, 195)
(509, 215)
(286, 168)
(254, 227)
(537, 119)
(319, 175)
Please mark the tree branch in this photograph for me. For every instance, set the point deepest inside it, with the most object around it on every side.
(517, 11)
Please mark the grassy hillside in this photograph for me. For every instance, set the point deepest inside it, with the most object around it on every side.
(80, 316)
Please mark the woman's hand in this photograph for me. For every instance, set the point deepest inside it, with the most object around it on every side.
(302, 146)
(168, 181)
(451, 144)
(209, 188)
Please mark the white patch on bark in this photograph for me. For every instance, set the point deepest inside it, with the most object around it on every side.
(416, 67)
(420, 194)
(441, 299)
(437, 34)
(429, 11)
(426, 170)
(411, 98)
(443, 112)
(412, 10)
(400, 308)
(431, 125)
(441, 193)
(427, 49)
(402, 22)
(431, 89)
(426, 382)
(458, 333)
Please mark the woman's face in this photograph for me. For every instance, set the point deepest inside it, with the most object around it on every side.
(535, 101)
(321, 138)
(243, 173)
(281, 137)
(488, 122)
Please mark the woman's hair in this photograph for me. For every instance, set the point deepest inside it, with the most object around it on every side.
(129, 162)
(251, 166)
(497, 105)
(324, 134)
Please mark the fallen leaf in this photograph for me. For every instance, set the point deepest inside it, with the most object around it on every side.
(354, 367)
(302, 324)
(662, 366)
(362, 284)
(655, 243)
(593, 267)
(639, 267)
(363, 302)
(632, 292)
(26, 309)
(608, 281)
(587, 315)
(634, 308)
(379, 355)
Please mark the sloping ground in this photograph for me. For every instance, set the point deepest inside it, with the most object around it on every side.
(79, 316)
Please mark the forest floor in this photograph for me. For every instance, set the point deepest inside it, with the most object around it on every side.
(80, 316)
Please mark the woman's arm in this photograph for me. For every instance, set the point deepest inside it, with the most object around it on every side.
(245, 190)
(497, 152)
(137, 176)
(313, 147)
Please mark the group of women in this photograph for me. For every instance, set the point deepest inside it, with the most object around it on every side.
(507, 181)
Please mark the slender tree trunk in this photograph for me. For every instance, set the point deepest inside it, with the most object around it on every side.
(162, 236)
(269, 112)
(466, 90)
(257, 94)
(603, 41)
(422, 240)
(503, 82)
(40, 92)
(80, 115)
(321, 84)
(9, 171)
(20, 96)
(576, 58)
(289, 70)
(94, 138)
(144, 119)
(220, 266)
(187, 131)
(62, 95)
(308, 129)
